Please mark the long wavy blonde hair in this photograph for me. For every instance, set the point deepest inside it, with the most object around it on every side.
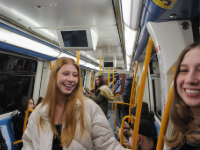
(180, 113)
(70, 111)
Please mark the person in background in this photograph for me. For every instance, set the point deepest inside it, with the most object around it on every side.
(39, 101)
(18, 118)
(3, 145)
(146, 136)
(102, 93)
(185, 107)
(146, 115)
(67, 119)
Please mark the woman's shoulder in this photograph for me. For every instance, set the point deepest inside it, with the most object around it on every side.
(91, 106)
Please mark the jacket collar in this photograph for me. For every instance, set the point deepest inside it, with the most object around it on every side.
(44, 111)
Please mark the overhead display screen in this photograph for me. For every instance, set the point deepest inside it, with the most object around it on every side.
(76, 38)
(108, 64)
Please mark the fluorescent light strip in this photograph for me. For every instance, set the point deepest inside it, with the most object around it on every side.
(12, 38)
(83, 63)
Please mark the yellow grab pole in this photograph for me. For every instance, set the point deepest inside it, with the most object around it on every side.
(25, 119)
(108, 85)
(122, 128)
(136, 99)
(165, 119)
(108, 77)
(50, 65)
(135, 87)
(78, 56)
(141, 93)
(131, 100)
(19, 141)
(78, 59)
(100, 62)
(133, 83)
(92, 82)
(113, 87)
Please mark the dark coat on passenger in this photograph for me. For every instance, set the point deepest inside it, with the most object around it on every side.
(188, 146)
(18, 124)
(102, 96)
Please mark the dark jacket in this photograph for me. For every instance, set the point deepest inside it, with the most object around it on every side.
(3, 145)
(102, 96)
(18, 124)
(188, 146)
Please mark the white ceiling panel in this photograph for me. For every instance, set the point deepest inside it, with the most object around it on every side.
(69, 14)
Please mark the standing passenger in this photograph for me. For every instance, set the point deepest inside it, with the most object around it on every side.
(67, 119)
(185, 107)
(102, 93)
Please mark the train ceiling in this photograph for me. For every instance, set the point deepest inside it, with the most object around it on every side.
(45, 16)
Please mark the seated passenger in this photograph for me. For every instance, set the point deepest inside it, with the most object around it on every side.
(185, 107)
(146, 136)
(18, 119)
(146, 116)
(102, 93)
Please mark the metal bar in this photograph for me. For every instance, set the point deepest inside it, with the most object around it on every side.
(100, 62)
(133, 83)
(136, 100)
(25, 119)
(141, 93)
(134, 89)
(122, 127)
(165, 119)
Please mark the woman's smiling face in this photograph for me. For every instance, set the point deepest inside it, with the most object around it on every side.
(188, 79)
(67, 79)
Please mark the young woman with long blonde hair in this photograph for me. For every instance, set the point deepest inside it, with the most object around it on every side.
(185, 107)
(67, 119)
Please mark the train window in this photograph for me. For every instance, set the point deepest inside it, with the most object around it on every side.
(8, 62)
(17, 76)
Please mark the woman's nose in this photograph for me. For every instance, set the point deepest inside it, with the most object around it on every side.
(192, 77)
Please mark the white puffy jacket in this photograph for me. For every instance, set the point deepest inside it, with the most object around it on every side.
(99, 135)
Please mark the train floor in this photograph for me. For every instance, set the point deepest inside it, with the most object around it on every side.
(111, 117)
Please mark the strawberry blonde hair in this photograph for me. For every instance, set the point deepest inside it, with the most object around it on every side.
(70, 112)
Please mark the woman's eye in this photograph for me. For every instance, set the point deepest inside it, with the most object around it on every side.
(65, 74)
(75, 75)
(183, 70)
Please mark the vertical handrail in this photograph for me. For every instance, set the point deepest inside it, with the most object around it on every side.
(26, 118)
(108, 85)
(135, 87)
(141, 94)
(113, 86)
(100, 62)
(24, 127)
(133, 83)
(78, 60)
(92, 82)
(165, 119)
(131, 100)
(136, 99)
(122, 127)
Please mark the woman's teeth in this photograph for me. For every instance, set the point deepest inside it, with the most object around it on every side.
(192, 91)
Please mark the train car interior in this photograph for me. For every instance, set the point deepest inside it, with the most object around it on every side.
(134, 44)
